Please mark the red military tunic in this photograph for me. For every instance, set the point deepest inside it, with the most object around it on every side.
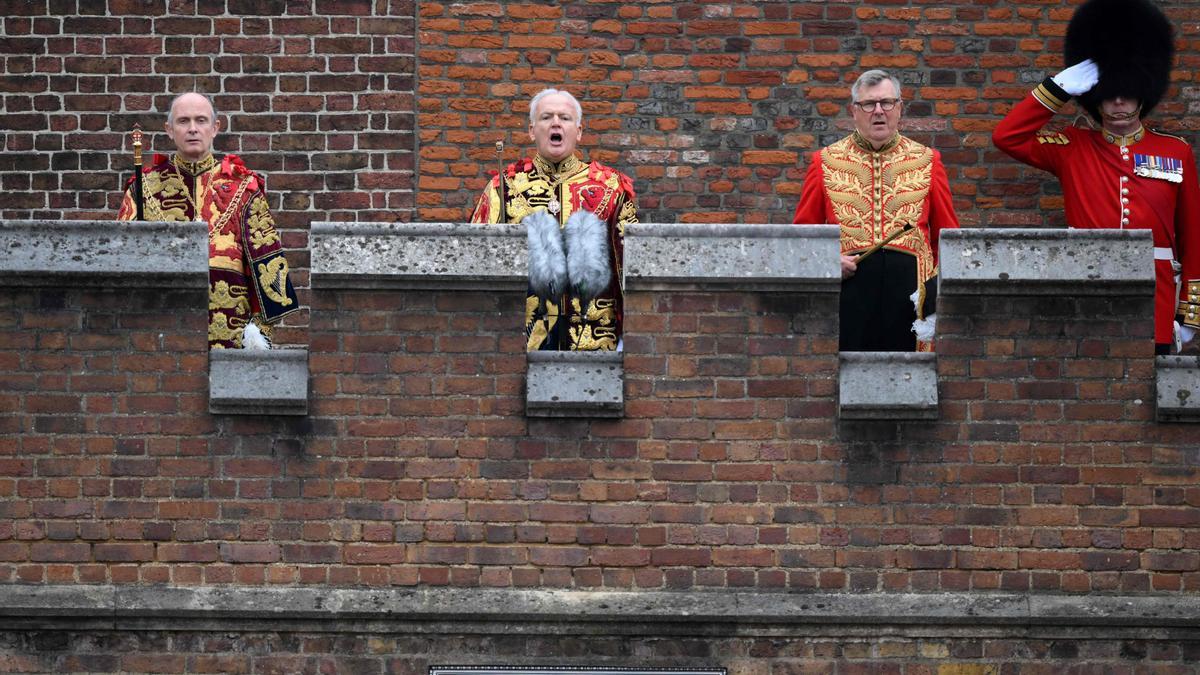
(571, 185)
(1143, 181)
(872, 193)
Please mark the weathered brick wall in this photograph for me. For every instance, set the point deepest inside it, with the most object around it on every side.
(1045, 472)
(368, 652)
(318, 96)
(709, 105)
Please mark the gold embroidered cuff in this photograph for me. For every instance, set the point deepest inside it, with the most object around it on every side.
(1049, 98)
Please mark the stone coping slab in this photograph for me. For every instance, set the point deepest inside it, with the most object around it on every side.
(103, 253)
(887, 386)
(1178, 388)
(121, 604)
(732, 257)
(495, 257)
(463, 256)
(258, 382)
(575, 384)
(1046, 261)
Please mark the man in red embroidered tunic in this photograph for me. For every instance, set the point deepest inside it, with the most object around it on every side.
(1121, 175)
(873, 183)
(248, 274)
(556, 185)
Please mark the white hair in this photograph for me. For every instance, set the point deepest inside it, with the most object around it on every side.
(171, 108)
(533, 104)
(870, 79)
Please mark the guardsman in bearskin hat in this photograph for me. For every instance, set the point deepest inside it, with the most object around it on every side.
(576, 213)
(249, 286)
(1121, 175)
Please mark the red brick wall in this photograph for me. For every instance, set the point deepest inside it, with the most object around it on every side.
(710, 106)
(1045, 472)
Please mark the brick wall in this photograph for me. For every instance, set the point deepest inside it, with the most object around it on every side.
(709, 105)
(1045, 472)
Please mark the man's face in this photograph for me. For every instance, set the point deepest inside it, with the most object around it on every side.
(192, 127)
(1120, 115)
(877, 126)
(554, 129)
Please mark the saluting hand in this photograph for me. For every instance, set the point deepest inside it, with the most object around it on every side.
(1079, 78)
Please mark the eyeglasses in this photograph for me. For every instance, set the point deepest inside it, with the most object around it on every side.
(869, 106)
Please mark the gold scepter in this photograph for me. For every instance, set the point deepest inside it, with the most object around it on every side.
(138, 199)
(503, 217)
(886, 240)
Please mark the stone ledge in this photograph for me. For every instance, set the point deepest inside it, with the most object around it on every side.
(1046, 261)
(732, 257)
(133, 605)
(1178, 388)
(258, 382)
(103, 253)
(887, 386)
(462, 256)
(575, 384)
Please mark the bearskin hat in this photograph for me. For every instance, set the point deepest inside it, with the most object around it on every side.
(1131, 42)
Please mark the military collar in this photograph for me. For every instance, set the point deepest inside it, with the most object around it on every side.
(866, 145)
(194, 168)
(1122, 141)
(569, 166)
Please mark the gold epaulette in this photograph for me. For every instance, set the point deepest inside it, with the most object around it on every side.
(1053, 137)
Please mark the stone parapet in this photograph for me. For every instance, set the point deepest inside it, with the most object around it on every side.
(102, 253)
(1046, 262)
(448, 256)
(681, 256)
(128, 606)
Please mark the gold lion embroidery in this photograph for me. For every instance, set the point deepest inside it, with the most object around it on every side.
(262, 225)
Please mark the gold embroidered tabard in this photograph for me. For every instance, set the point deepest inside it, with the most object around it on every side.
(571, 185)
(248, 274)
(875, 192)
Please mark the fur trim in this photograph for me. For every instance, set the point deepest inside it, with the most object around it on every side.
(1131, 42)
(547, 261)
(586, 238)
(253, 338)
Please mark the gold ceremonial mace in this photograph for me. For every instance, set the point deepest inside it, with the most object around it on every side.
(503, 216)
(887, 240)
(137, 172)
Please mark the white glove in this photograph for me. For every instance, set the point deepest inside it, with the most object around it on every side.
(1184, 335)
(1079, 78)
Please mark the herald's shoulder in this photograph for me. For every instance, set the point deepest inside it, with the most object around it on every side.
(603, 173)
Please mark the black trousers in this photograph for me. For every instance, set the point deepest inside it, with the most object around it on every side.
(876, 310)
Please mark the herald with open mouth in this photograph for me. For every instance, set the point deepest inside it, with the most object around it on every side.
(575, 213)
(556, 127)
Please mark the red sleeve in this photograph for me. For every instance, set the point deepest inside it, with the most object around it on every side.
(811, 209)
(1017, 133)
(482, 211)
(941, 205)
(1187, 234)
